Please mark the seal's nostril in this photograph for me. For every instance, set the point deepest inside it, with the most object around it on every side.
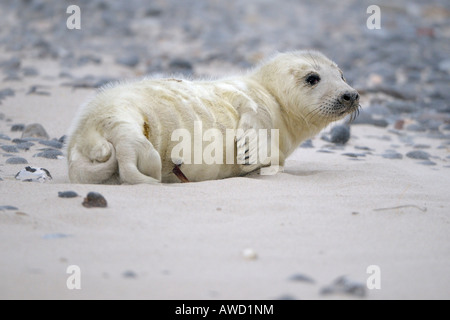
(356, 96)
(346, 97)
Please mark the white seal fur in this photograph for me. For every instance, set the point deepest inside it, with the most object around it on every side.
(123, 135)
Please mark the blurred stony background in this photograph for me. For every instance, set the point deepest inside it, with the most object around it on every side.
(402, 69)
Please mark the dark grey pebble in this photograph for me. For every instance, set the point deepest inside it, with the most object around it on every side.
(422, 146)
(180, 66)
(4, 137)
(325, 151)
(345, 286)
(25, 145)
(354, 155)
(34, 130)
(49, 154)
(129, 274)
(418, 154)
(51, 143)
(286, 297)
(63, 139)
(12, 76)
(94, 199)
(16, 160)
(9, 148)
(366, 118)
(6, 93)
(67, 194)
(89, 82)
(17, 127)
(392, 155)
(307, 144)
(340, 134)
(299, 277)
(26, 139)
(36, 89)
(129, 60)
(416, 128)
(8, 208)
(400, 106)
(427, 163)
(153, 12)
(363, 148)
(65, 74)
(11, 64)
(89, 58)
(30, 71)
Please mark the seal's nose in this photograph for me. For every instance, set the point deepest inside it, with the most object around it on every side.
(349, 98)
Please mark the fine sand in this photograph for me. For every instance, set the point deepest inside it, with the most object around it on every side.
(327, 215)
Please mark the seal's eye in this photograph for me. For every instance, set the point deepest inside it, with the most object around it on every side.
(313, 79)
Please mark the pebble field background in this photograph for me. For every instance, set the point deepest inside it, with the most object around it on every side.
(401, 70)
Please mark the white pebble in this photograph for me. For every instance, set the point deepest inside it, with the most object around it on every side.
(33, 174)
(250, 254)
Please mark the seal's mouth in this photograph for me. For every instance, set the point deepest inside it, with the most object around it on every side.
(333, 110)
(352, 110)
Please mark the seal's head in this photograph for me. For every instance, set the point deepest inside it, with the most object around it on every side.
(309, 87)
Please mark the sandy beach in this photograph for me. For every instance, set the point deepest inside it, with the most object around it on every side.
(335, 211)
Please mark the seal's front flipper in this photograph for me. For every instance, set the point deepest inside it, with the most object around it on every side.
(248, 142)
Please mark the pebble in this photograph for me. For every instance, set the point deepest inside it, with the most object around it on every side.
(16, 160)
(17, 127)
(94, 199)
(4, 137)
(50, 154)
(363, 148)
(52, 143)
(35, 130)
(340, 134)
(354, 155)
(325, 151)
(427, 163)
(343, 285)
(129, 60)
(180, 66)
(86, 59)
(400, 106)
(36, 89)
(392, 155)
(129, 274)
(24, 145)
(286, 297)
(63, 139)
(8, 208)
(299, 277)
(6, 93)
(30, 71)
(421, 146)
(249, 254)
(11, 64)
(416, 128)
(67, 194)
(9, 148)
(307, 144)
(33, 174)
(418, 154)
(366, 118)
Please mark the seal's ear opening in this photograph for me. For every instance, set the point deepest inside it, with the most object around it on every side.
(312, 79)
